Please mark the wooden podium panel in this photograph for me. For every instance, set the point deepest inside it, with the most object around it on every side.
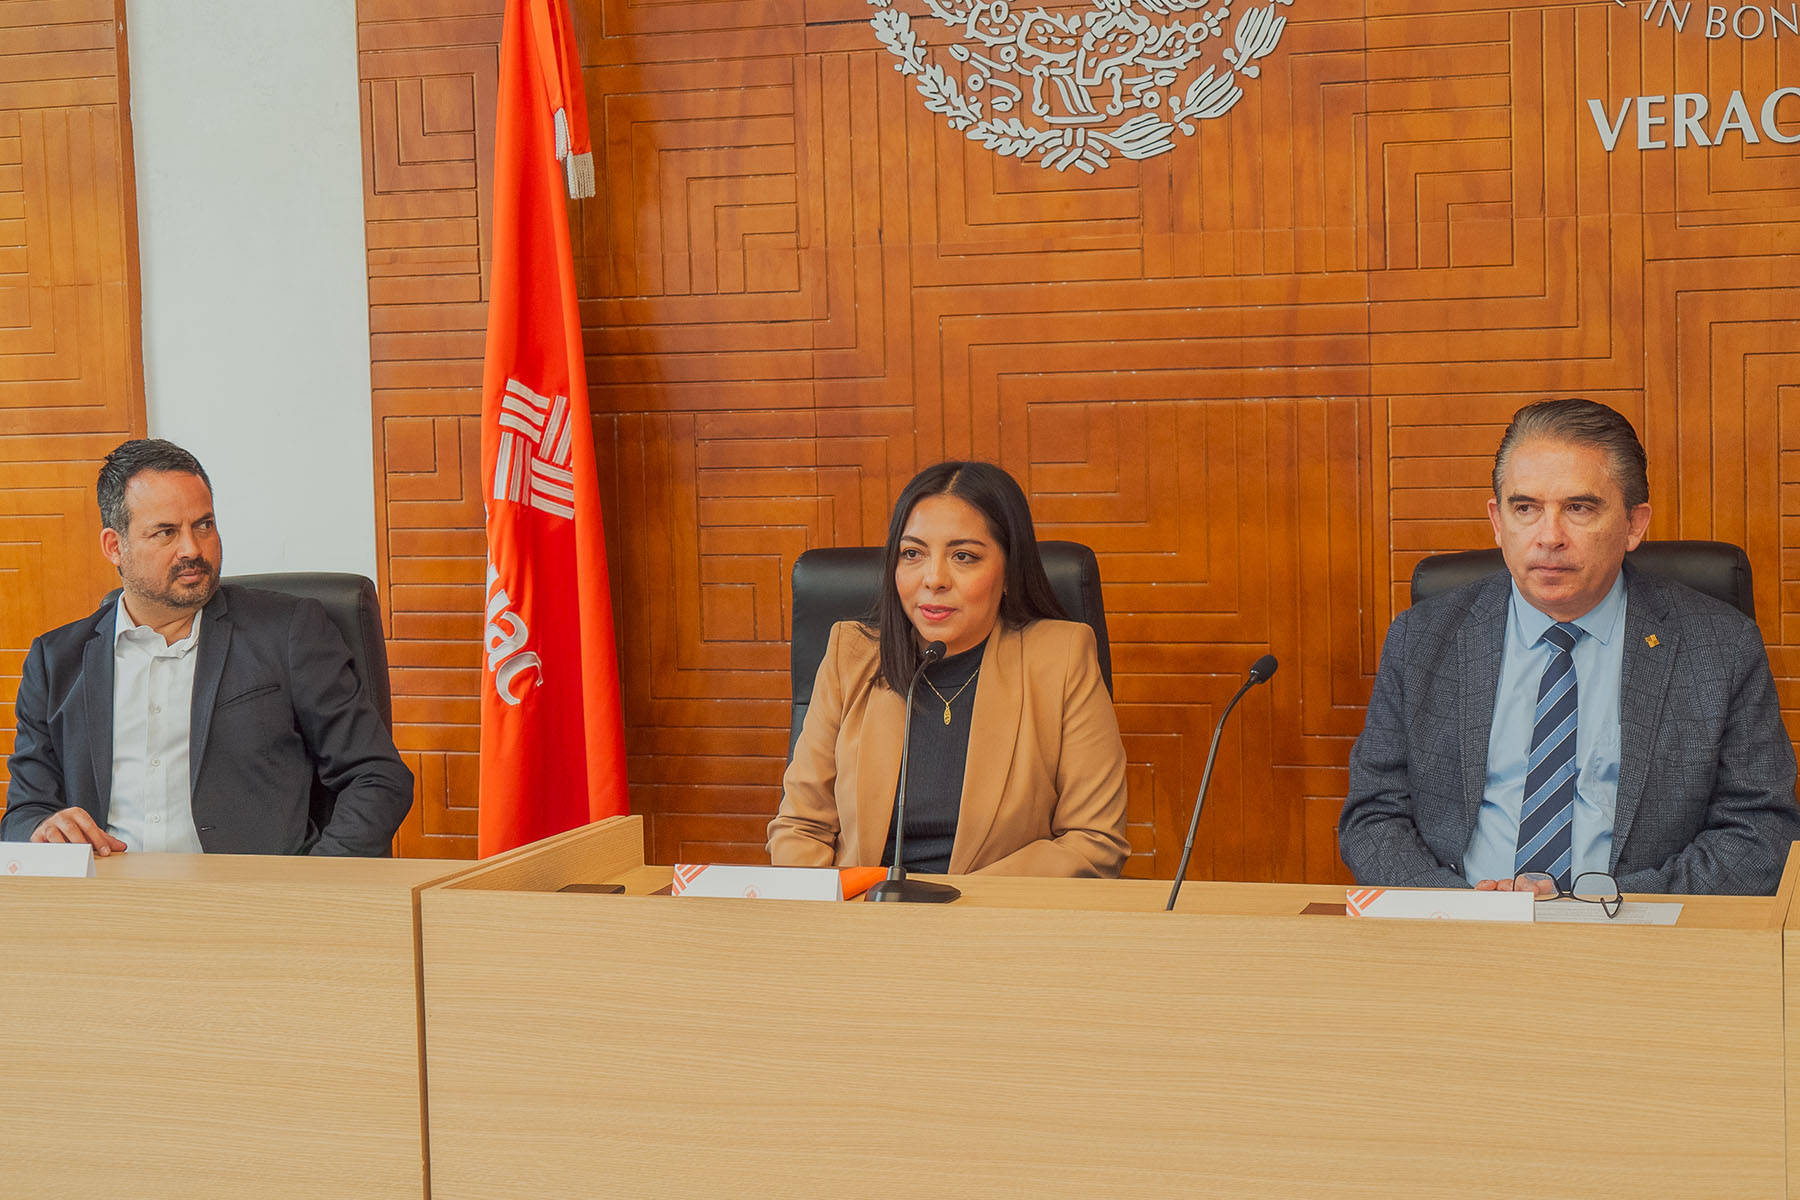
(1791, 973)
(212, 1026)
(583, 1044)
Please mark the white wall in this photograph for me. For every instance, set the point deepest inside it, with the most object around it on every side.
(250, 231)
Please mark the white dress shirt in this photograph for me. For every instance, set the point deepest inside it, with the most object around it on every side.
(153, 696)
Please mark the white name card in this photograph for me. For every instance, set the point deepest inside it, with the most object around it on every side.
(1439, 904)
(768, 883)
(44, 859)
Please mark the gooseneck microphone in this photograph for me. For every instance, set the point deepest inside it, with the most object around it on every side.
(897, 887)
(1260, 671)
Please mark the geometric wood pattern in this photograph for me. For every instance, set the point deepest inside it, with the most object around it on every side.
(71, 378)
(426, 72)
(1262, 374)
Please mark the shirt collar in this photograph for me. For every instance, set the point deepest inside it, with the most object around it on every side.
(1601, 622)
(124, 628)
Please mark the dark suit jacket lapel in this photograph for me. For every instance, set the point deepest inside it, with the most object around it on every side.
(1480, 642)
(215, 641)
(97, 684)
(1643, 686)
(993, 733)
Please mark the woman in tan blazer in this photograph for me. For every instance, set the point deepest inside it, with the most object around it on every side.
(1015, 764)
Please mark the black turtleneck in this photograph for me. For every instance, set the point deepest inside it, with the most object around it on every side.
(935, 758)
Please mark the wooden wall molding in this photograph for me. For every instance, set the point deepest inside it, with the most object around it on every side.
(1262, 374)
(71, 363)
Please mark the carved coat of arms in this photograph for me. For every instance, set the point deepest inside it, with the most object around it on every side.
(1073, 87)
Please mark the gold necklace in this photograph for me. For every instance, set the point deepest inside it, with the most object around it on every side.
(959, 691)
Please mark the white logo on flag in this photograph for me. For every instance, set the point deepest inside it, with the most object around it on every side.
(533, 464)
(507, 657)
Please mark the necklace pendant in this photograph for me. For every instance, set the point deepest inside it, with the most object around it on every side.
(946, 714)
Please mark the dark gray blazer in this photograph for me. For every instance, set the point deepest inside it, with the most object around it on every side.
(274, 700)
(1706, 770)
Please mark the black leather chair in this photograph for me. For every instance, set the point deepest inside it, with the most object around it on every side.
(351, 603)
(840, 584)
(1719, 569)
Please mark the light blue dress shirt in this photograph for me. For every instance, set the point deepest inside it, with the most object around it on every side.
(1599, 666)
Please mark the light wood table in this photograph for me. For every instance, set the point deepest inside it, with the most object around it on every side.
(1067, 1038)
(1791, 975)
(212, 1026)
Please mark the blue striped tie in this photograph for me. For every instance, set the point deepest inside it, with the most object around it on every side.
(1546, 823)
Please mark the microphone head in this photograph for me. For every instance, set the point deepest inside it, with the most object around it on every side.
(1262, 668)
(935, 651)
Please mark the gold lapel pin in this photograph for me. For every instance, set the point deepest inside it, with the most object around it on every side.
(1652, 641)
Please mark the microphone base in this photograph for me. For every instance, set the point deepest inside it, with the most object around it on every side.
(911, 891)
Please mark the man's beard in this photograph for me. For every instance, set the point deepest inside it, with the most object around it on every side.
(171, 593)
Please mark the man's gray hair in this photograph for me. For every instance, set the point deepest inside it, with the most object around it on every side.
(131, 459)
(1585, 423)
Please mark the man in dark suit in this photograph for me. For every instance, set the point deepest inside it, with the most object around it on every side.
(1572, 715)
(186, 716)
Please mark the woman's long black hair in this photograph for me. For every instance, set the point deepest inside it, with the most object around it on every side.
(995, 495)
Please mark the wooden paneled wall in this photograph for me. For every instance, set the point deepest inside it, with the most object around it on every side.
(71, 381)
(1261, 373)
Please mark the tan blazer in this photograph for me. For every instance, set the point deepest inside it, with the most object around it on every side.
(1044, 788)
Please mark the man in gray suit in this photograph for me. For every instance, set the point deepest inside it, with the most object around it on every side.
(186, 716)
(1571, 715)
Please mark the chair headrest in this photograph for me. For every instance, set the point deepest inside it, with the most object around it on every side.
(1717, 569)
(351, 603)
(841, 583)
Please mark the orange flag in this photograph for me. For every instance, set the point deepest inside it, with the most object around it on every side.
(552, 745)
